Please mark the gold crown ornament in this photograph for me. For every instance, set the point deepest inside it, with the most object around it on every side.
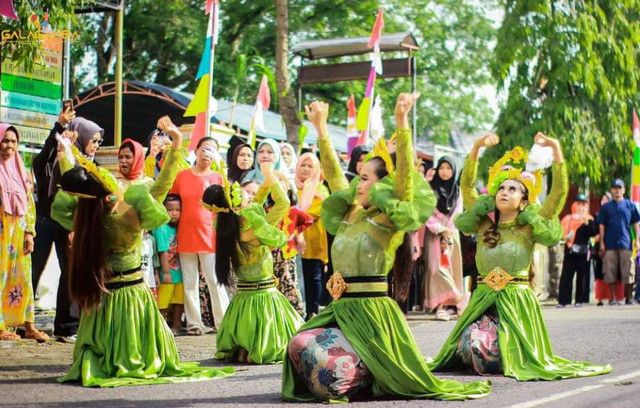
(101, 175)
(380, 150)
(232, 193)
(512, 166)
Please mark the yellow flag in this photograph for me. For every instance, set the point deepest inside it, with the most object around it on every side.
(200, 99)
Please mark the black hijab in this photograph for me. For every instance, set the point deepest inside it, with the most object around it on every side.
(356, 153)
(235, 173)
(447, 191)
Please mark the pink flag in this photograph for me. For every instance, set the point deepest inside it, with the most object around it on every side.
(377, 29)
(7, 9)
(264, 94)
(636, 129)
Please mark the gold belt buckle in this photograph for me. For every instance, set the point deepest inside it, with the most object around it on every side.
(497, 279)
(336, 285)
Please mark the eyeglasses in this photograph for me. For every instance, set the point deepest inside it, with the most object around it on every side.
(97, 141)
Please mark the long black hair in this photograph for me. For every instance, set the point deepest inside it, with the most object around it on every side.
(227, 235)
(88, 266)
(403, 263)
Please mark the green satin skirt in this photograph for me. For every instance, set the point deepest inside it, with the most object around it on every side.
(126, 341)
(522, 336)
(379, 334)
(261, 322)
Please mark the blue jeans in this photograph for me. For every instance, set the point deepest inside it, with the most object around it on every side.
(312, 269)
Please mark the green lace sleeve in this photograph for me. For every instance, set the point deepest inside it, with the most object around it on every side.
(65, 164)
(554, 202)
(336, 206)
(281, 206)
(405, 215)
(468, 222)
(267, 234)
(545, 231)
(167, 175)
(331, 166)
(468, 182)
(152, 213)
(404, 165)
(261, 194)
(30, 216)
(62, 209)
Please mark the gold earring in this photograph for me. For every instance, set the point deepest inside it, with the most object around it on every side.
(522, 207)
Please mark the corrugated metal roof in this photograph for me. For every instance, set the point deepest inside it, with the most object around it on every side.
(338, 47)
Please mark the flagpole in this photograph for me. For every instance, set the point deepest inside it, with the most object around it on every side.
(214, 19)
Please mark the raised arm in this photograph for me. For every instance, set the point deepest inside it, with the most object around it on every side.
(281, 201)
(554, 202)
(318, 112)
(404, 148)
(171, 167)
(470, 170)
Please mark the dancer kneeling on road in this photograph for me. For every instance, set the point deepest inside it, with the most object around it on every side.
(360, 345)
(260, 321)
(122, 338)
(502, 330)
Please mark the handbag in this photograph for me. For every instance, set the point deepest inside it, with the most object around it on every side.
(579, 249)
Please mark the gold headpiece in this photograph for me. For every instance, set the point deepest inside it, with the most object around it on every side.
(101, 175)
(380, 150)
(232, 193)
(513, 166)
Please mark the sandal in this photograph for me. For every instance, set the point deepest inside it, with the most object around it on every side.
(443, 315)
(194, 332)
(8, 336)
(37, 335)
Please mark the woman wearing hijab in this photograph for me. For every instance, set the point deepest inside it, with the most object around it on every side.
(578, 228)
(443, 261)
(131, 165)
(290, 160)
(357, 160)
(268, 151)
(316, 254)
(17, 229)
(240, 162)
(46, 169)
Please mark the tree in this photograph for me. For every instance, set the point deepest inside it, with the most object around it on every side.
(288, 108)
(164, 40)
(571, 71)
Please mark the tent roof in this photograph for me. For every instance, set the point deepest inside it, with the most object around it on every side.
(143, 103)
(338, 47)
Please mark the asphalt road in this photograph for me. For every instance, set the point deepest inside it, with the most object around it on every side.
(599, 334)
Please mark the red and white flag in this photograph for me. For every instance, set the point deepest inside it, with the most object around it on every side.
(262, 103)
(636, 129)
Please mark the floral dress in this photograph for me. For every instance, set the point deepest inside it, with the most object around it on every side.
(15, 268)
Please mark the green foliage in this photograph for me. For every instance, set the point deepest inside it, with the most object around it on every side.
(30, 53)
(164, 40)
(571, 71)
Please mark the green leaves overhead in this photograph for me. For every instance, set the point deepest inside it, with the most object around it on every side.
(571, 70)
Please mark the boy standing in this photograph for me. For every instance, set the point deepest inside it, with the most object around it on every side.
(171, 290)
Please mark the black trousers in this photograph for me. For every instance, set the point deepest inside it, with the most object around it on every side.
(574, 265)
(48, 233)
(312, 270)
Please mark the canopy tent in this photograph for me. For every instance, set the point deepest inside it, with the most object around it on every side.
(144, 103)
(339, 47)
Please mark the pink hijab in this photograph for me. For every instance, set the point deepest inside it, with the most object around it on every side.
(14, 179)
(310, 190)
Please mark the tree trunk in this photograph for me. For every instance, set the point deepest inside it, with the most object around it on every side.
(287, 99)
(104, 47)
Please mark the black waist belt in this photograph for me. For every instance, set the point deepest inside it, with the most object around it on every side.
(265, 284)
(363, 294)
(365, 279)
(127, 272)
(120, 285)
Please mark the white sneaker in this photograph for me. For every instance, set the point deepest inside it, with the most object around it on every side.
(443, 316)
